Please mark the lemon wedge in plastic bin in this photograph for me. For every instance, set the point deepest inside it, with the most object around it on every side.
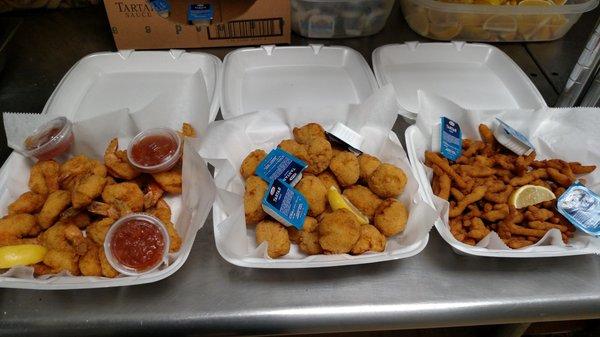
(443, 26)
(529, 195)
(338, 201)
(533, 26)
(21, 255)
(418, 22)
(504, 26)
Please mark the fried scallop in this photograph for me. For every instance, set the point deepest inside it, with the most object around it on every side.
(276, 237)
(338, 231)
(295, 149)
(251, 162)
(315, 193)
(344, 166)
(367, 165)
(255, 191)
(387, 181)
(305, 134)
(391, 217)
(319, 155)
(365, 200)
(370, 240)
(310, 224)
(328, 179)
(309, 243)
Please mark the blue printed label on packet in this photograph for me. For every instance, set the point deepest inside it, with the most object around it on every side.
(285, 204)
(581, 207)
(160, 6)
(279, 164)
(198, 13)
(450, 139)
(513, 139)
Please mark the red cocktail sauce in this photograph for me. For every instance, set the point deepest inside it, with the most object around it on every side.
(153, 150)
(138, 244)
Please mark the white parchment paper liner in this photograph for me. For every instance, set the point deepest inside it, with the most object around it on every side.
(228, 142)
(189, 210)
(568, 133)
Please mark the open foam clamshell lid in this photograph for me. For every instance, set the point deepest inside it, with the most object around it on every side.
(475, 76)
(110, 95)
(271, 77)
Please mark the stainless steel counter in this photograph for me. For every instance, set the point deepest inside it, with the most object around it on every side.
(436, 288)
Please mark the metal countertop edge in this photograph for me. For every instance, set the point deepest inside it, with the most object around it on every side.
(329, 319)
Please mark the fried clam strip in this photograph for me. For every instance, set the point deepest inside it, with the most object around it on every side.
(443, 181)
(478, 230)
(435, 159)
(472, 148)
(577, 168)
(477, 194)
(477, 171)
(528, 177)
(487, 136)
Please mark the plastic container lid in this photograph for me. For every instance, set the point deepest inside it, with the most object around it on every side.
(50, 140)
(273, 77)
(475, 76)
(122, 268)
(164, 161)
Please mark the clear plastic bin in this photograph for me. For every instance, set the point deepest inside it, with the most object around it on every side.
(339, 18)
(473, 22)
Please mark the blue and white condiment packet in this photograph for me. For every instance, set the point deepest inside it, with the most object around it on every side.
(285, 204)
(279, 164)
(581, 207)
(512, 139)
(446, 138)
(161, 7)
(200, 14)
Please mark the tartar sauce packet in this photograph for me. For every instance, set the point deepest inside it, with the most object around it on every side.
(512, 139)
(581, 207)
(161, 7)
(450, 139)
(200, 14)
(285, 204)
(279, 164)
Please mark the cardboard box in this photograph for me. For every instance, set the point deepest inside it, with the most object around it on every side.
(135, 25)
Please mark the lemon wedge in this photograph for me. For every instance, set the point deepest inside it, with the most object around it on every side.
(419, 23)
(21, 255)
(338, 201)
(529, 195)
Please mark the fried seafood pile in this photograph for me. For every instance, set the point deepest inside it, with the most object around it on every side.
(70, 207)
(370, 185)
(480, 183)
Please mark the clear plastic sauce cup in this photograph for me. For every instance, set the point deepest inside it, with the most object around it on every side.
(155, 150)
(136, 244)
(50, 140)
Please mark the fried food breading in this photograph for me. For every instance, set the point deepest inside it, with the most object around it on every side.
(250, 163)
(86, 189)
(117, 163)
(170, 181)
(315, 193)
(367, 164)
(14, 227)
(126, 197)
(276, 237)
(363, 199)
(309, 243)
(435, 159)
(253, 196)
(487, 136)
(295, 149)
(391, 217)
(310, 225)
(387, 181)
(338, 231)
(319, 155)
(89, 263)
(28, 202)
(97, 230)
(175, 240)
(56, 202)
(577, 168)
(64, 237)
(305, 134)
(345, 167)
(328, 179)
(444, 183)
(477, 229)
(78, 166)
(107, 269)
(187, 130)
(43, 177)
(370, 240)
(477, 194)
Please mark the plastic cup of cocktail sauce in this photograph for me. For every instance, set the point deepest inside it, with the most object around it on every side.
(137, 244)
(155, 150)
(50, 140)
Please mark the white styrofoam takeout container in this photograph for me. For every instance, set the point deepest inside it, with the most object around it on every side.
(475, 76)
(105, 82)
(309, 77)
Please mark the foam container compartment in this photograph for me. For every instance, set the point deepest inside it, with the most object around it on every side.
(283, 77)
(158, 88)
(475, 76)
